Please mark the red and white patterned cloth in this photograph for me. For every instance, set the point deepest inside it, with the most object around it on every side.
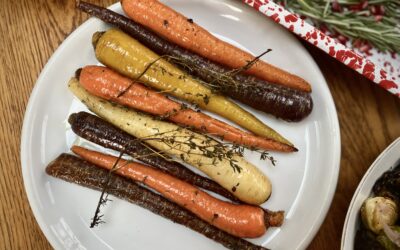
(382, 68)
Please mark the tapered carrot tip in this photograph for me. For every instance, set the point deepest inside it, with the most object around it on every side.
(96, 36)
(72, 118)
(78, 73)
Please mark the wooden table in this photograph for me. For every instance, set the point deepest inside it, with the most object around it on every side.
(32, 30)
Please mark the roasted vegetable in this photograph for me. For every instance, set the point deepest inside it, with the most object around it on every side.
(239, 220)
(377, 212)
(95, 129)
(280, 101)
(380, 214)
(184, 32)
(107, 84)
(367, 240)
(388, 185)
(75, 170)
(391, 239)
(126, 55)
(230, 170)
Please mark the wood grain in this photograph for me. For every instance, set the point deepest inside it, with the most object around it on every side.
(32, 30)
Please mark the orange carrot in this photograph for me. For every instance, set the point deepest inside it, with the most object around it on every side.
(107, 84)
(239, 220)
(182, 31)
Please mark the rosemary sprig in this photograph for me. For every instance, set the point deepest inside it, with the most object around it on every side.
(374, 21)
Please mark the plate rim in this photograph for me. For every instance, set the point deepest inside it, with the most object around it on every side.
(25, 132)
(319, 219)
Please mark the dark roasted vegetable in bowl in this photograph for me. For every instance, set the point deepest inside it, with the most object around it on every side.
(388, 184)
(380, 215)
(372, 216)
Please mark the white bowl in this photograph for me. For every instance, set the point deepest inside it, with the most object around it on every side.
(389, 158)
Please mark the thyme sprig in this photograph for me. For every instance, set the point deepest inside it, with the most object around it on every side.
(140, 75)
(210, 148)
(98, 217)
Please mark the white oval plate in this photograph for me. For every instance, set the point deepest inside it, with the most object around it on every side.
(389, 158)
(303, 182)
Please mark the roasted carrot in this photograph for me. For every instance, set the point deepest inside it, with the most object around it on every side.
(233, 172)
(75, 170)
(237, 219)
(279, 100)
(106, 83)
(127, 56)
(183, 31)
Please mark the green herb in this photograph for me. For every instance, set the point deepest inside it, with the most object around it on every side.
(374, 21)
